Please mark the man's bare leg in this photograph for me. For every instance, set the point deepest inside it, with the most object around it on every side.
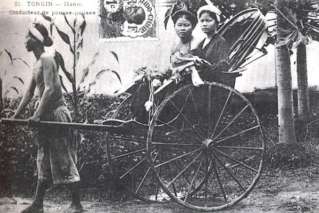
(37, 204)
(76, 206)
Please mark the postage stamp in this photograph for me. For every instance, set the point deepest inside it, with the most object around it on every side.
(127, 19)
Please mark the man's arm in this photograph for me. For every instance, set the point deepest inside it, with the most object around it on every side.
(26, 97)
(48, 72)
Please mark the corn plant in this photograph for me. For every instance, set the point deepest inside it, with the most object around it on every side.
(5, 87)
(75, 41)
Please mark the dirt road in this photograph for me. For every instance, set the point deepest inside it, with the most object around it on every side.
(277, 191)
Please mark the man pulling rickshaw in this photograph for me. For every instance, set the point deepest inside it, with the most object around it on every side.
(193, 142)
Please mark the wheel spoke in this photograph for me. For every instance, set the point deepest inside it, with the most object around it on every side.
(205, 178)
(209, 109)
(179, 167)
(193, 180)
(132, 140)
(184, 104)
(145, 175)
(129, 153)
(236, 161)
(194, 104)
(196, 111)
(173, 144)
(221, 114)
(134, 167)
(231, 122)
(184, 170)
(188, 121)
(175, 191)
(229, 172)
(247, 159)
(207, 171)
(143, 179)
(242, 147)
(157, 190)
(237, 134)
(218, 178)
(178, 112)
(180, 131)
(177, 158)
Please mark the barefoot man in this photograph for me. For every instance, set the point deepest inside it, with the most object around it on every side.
(56, 156)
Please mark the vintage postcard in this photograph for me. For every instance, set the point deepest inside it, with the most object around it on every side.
(120, 19)
(138, 105)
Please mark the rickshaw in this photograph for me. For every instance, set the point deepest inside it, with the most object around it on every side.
(202, 146)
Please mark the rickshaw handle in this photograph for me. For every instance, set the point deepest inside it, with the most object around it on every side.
(108, 125)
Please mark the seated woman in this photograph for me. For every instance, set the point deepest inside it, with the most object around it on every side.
(182, 58)
(213, 48)
(184, 24)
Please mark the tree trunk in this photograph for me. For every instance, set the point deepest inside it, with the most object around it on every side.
(1, 98)
(283, 72)
(303, 91)
(287, 153)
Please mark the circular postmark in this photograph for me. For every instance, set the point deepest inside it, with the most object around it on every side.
(139, 17)
(113, 6)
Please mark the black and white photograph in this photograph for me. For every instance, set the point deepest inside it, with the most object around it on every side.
(159, 106)
(121, 19)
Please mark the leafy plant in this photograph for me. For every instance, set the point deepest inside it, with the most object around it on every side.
(75, 41)
(5, 88)
(7, 107)
(82, 104)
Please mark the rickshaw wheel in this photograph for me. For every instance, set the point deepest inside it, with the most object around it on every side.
(126, 154)
(211, 156)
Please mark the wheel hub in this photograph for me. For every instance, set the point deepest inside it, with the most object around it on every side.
(207, 142)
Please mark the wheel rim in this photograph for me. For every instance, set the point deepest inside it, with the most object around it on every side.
(126, 155)
(212, 156)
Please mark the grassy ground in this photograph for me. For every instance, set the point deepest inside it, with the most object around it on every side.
(278, 191)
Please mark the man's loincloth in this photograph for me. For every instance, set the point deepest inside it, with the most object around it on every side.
(57, 150)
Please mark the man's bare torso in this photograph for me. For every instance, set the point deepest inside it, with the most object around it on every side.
(37, 75)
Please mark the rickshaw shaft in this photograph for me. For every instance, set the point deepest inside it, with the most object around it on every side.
(109, 125)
